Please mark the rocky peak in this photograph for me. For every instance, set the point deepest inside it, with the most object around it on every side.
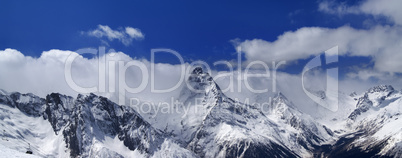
(280, 98)
(198, 75)
(280, 102)
(6, 100)
(372, 97)
(27, 103)
(381, 88)
(197, 71)
(58, 110)
(200, 81)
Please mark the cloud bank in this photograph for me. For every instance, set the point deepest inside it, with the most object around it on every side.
(382, 43)
(46, 74)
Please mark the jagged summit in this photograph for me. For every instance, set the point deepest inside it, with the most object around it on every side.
(374, 125)
(280, 98)
(28, 103)
(197, 71)
(372, 98)
(199, 81)
(381, 88)
(199, 95)
(280, 95)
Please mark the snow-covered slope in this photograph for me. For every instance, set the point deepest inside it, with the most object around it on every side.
(22, 133)
(7, 153)
(233, 129)
(308, 132)
(213, 125)
(374, 128)
(184, 117)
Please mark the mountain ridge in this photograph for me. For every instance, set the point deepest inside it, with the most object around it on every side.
(218, 126)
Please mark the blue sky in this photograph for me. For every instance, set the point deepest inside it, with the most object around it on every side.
(198, 30)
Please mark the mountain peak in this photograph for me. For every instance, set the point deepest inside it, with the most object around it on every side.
(374, 97)
(280, 95)
(197, 71)
(200, 80)
(279, 98)
(381, 88)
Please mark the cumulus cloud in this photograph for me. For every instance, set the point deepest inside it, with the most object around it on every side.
(35, 75)
(382, 43)
(387, 8)
(126, 36)
(11, 56)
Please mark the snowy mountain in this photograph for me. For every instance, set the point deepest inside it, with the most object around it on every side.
(374, 127)
(86, 126)
(202, 122)
(215, 125)
(309, 133)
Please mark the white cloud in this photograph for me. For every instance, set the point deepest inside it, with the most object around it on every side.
(11, 55)
(46, 74)
(383, 43)
(368, 74)
(336, 8)
(134, 33)
(388, 8)
(125, 36)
